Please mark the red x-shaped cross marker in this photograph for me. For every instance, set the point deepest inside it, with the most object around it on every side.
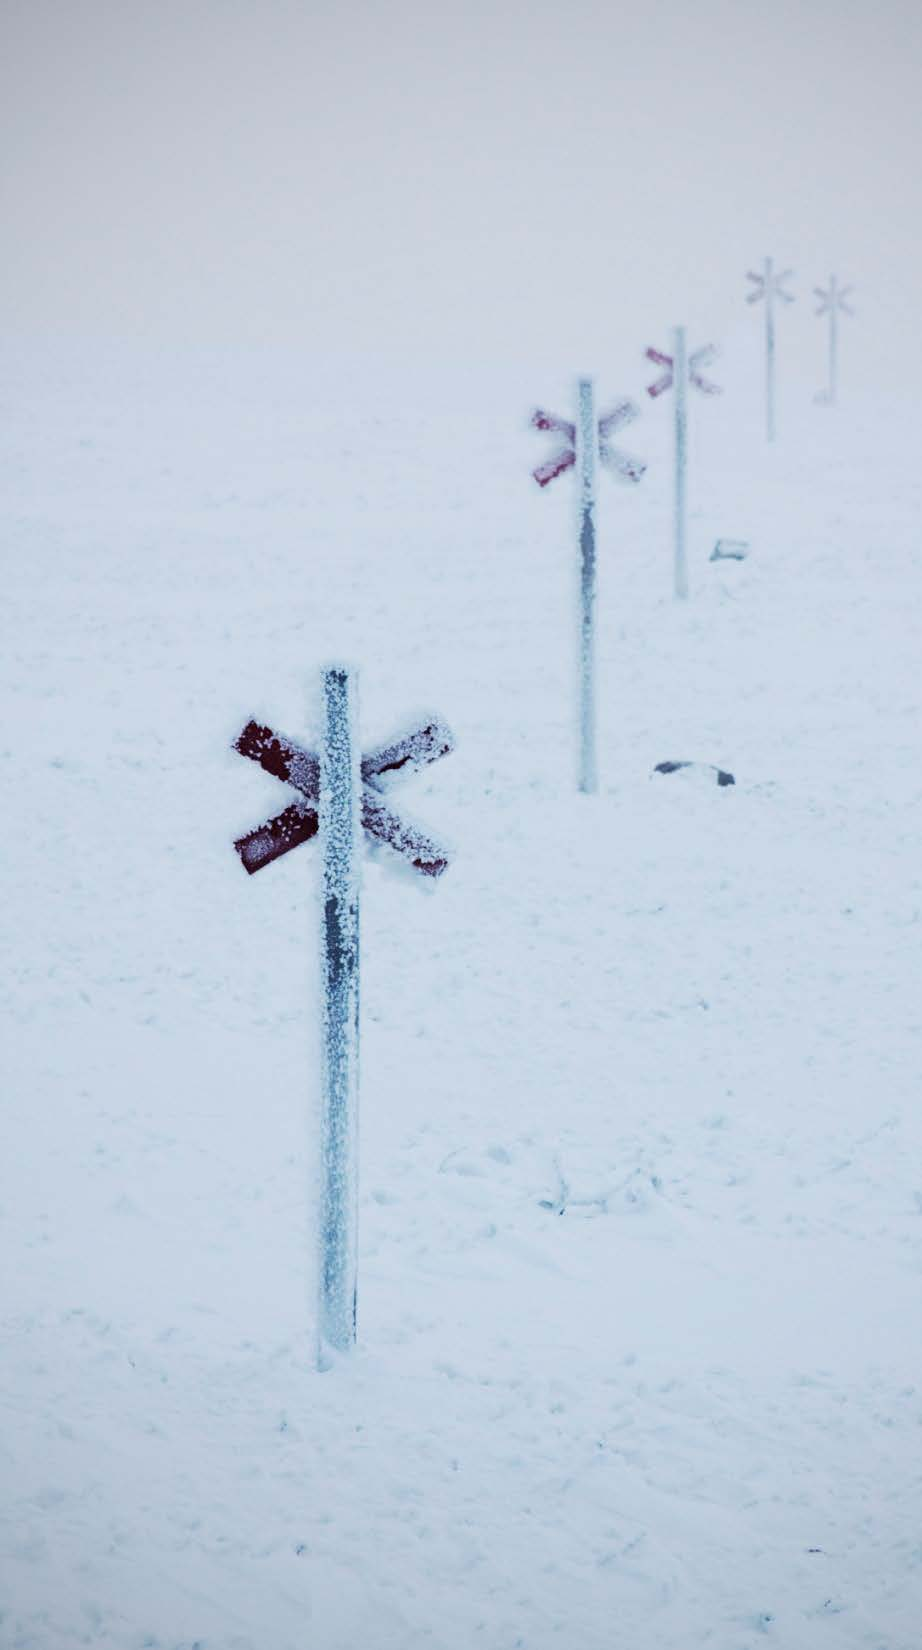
(665, 383)
(698, 358)
(629, 469)
(562, 460)
(301, 768)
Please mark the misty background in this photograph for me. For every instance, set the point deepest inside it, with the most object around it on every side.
(467, 181)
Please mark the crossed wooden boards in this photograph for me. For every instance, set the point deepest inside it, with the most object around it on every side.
(301, 768)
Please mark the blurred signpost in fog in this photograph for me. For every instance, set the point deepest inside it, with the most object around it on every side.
(681, 369)
(587, 441)
(769, 286)
(832, 303)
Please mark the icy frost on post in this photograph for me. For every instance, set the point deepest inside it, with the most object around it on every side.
(769, 286)
(587, 443)
(339, 820)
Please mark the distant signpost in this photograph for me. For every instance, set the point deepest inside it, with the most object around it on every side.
(586, 442)
(681, 370)
(339, 794)
(767, 287)
(832, 302)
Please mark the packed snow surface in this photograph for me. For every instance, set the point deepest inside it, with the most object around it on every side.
(641, 1145)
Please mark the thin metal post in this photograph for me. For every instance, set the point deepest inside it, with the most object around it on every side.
(680, 382)
(586, 446)
(833, 341)
(769, 351)
(339, 811)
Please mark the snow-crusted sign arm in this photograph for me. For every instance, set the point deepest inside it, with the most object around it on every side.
(378, 820)
(294, 825)
(664, 382)
(621, 464)
(281, 757)
(408, 753)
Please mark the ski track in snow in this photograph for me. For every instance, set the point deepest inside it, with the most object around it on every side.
(641, 1196)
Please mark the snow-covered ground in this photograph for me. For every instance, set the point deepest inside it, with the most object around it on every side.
(641, 1196)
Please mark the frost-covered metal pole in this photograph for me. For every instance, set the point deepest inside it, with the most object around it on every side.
(586, 443)
(832, 300)
(833, 344)
(769, 351)
(767, 287)
(339, 817)
(681, 369)
(680, 372)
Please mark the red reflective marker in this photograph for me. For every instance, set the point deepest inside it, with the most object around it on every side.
(297, 823)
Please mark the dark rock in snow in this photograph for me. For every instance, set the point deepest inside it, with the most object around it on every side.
(723, 777)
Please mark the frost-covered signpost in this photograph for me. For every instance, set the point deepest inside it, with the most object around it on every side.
(832, 303)
(339, 1109)
(587, 441)
(682, 369)
(769, 286)
(339, 794)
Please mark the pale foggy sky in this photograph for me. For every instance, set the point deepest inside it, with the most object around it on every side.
(416, 178)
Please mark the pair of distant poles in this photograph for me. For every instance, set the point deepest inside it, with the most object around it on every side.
(833, 302)
(588, 444)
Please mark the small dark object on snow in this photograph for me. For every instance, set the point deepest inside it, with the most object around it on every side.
(723, 777)
(730, 550)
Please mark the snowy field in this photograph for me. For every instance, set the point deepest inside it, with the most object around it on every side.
(641, 1194)
(639, 1360)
